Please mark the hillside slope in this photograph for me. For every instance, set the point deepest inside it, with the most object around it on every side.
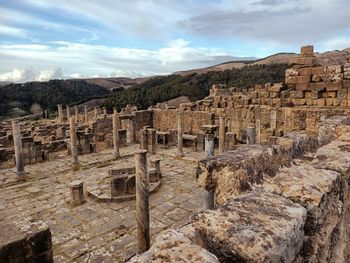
(324, 59)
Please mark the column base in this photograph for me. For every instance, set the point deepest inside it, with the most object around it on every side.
(75, 166)
(21, 177)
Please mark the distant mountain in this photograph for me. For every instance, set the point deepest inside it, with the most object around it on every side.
(4, 83)
(324, 59)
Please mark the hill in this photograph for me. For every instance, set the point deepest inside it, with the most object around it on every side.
(324, 59)
(19, 99)
(195, 86)
(113, 83)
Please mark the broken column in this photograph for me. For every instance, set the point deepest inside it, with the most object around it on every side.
(142, 201)
(209, 146)
(273, 123)
(221, 134)
(152, 141)
(144, 139)
(76, 112)
(115, 134)
(251, 135)
(179, 133)
(132, 129)
(68, 112)
(73, 143)
(86, 118)
(95, 112)
(156, 165)
(77, 192)
(17, 140)
(60, 114)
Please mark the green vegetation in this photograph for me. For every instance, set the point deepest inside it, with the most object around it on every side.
(47, 94)
(195, 86)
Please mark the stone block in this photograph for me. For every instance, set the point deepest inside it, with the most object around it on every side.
(342, 94)
(321, 102)
(296, 94)
(255, 227)
(321, 86)
(307, 50)
(329, 94)
(318, 70)
(302, 86)
(77, 192)
(290, 72)
(329, 101)
(299, 102)
(334, 69)
(174, 246)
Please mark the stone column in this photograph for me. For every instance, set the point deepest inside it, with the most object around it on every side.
(212, 118)
(73, 143)
(251, 135)
(221, 134)
(60, 114)
(142, 201)
(104, 111)
(144, 139)
(258, 130)
(287, 120)
(273, 123)
(86, 119)
(95, 112)
(180, 120)
(209, 146)
(76, 112)
(115, 134)
(152, 141)
(77, 192)
(132, 130)
(17, 140)
(68, 113)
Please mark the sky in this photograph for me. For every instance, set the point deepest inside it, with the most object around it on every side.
(50, 39)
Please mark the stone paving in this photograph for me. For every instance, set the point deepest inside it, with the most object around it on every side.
(98, 232)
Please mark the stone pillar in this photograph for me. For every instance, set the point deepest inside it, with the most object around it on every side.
(209, 146)
(180, 120)
(156, 165)
(60, 114)
(132, 130)
(221, 134)
(287, 120)
(17, 140)
(273, 123)
(142, 201)
(152, 141)
(251, 135)
(68, 112)
(95, 112)
(258, 130)
(77, 192)
(115, 134)
(144, 139)
(104, 111)
(86, 118)
(212, 118)
(73, 143)
(76, 112)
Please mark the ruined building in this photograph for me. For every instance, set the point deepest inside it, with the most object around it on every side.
(244, 175)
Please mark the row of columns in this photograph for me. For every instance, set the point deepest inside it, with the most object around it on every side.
(76, 113)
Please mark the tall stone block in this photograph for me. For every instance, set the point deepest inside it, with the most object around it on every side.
(60, 113)
(152, 141)
(76, 112)
(17, 139)
(77, 192)
(222, 127)
(74, 143)
(115, 134)
(180, 120)
(251, 135)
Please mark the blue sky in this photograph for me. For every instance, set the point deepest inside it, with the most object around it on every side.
(45, 39)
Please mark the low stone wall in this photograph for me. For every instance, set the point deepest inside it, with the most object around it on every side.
(25, 244)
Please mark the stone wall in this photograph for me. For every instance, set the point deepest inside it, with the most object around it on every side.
(287, 202)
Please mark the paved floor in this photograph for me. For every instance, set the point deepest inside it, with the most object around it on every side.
(98, 232)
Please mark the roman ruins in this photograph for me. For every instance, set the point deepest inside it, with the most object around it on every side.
(244, 175)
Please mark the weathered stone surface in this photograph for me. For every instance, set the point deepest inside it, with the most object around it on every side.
(318, 191)
(331, 128)
(253, 228)
(174, 246)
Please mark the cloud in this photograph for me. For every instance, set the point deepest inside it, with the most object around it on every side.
(67, 59)
(29, 74)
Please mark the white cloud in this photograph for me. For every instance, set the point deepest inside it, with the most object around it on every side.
(78, 60)
(29, 74)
